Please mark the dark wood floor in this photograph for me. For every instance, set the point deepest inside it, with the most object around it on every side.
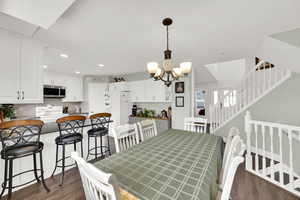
(246, 187)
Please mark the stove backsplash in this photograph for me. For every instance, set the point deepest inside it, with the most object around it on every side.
(28, 110)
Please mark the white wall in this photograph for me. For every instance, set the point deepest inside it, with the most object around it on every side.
(228, 73)
(179, 113)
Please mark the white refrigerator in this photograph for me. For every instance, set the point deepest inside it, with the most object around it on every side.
(120, 104)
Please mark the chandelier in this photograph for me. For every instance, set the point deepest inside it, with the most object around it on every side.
(168, 72)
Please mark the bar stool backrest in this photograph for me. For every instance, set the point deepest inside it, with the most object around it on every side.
(71, 124)
(100, 120)
(18, 132)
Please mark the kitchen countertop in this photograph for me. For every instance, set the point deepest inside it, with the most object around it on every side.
(157, 118)
(50, 127)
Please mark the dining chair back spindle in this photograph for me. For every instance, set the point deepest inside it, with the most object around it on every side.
(195, 124)
(97, 184)
(224, 192)
(237, 148)
(125, 136)
(147, 129)
(232, 132)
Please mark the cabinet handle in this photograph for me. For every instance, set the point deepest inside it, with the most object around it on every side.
(18, 93)
(22, 95)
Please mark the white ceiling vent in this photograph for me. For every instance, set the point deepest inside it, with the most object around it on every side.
(40, 13)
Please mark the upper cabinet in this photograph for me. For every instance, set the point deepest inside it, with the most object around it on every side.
(56, 79)
(137, 91)
(73, 84)
(74, 89)
(149, 91)
(21, 72)
(31, 75)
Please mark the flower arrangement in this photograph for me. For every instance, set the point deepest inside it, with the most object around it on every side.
(8, 111)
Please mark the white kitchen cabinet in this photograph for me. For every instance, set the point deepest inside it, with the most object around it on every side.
(31, 76)
(21, 72)
(137, 91)
(51, 78)
(73, 84)
(74, 89)
(9, 75)
(149, 91)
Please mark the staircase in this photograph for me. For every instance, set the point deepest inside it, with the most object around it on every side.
(258, 82)
(272, 150)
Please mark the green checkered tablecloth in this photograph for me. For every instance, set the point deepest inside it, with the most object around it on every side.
(173, 165)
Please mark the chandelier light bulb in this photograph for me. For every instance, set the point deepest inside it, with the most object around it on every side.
(152, 67)
(186, 67)
(158, 72)
(177, 71)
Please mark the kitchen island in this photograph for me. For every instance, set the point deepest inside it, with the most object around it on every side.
(48, 135)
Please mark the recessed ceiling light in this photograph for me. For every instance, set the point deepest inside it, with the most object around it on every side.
(77, 72)
(100, 65)
(45, 66)
(64, 55)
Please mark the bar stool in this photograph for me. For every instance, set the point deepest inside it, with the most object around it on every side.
(100, 126)
(70, 133)
(21, 138)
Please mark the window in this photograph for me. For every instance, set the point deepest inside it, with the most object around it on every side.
(230, 99)
(216, 97)
(200, 102)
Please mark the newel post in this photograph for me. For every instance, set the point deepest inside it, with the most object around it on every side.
(248, 132)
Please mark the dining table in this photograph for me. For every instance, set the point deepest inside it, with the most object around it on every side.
(175, 165)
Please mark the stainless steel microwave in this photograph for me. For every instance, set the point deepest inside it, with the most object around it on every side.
(51, 91)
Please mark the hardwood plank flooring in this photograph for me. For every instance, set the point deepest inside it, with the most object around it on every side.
(246, 187)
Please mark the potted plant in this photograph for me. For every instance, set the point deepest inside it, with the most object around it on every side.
(8, 111)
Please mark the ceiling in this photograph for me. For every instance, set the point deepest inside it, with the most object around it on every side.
(223, 72)
(125, 35)
(291, 37)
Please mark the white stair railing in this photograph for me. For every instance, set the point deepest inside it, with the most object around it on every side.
(259, 81)
(271, 152)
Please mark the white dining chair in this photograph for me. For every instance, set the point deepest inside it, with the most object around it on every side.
(125, 136)
(232, 132)
(97, 184)
(224, 192)
(147, 129)
(195, 124)
(237, 148)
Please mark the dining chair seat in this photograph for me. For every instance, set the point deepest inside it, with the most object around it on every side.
(95, 132)
(68, 139)
(21, 150)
